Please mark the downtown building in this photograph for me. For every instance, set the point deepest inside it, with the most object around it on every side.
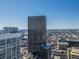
(10, 29)
(36, 37)
(10, 44)
(73, 49)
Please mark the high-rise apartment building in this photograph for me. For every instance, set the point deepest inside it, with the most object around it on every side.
(10, 45)
(36, 33)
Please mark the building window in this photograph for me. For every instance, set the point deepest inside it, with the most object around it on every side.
(13, 41)
(8, 42)
(2, 42)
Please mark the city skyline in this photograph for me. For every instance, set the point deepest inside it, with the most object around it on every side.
(61, 14)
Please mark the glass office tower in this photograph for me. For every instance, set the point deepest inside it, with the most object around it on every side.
(36, 33)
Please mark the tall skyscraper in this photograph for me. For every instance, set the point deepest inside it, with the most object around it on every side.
(36, 33)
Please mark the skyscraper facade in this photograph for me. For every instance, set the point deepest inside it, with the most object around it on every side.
(36, 33)
(10, 45)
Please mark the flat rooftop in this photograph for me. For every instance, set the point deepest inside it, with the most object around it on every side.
(9, 35)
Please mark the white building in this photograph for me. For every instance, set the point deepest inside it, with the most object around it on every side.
(10, 45)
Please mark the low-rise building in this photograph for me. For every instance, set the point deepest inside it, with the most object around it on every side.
(10, 29)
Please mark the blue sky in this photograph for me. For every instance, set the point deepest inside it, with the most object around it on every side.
(61, 14)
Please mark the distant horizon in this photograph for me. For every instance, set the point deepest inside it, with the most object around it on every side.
(46, 29)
